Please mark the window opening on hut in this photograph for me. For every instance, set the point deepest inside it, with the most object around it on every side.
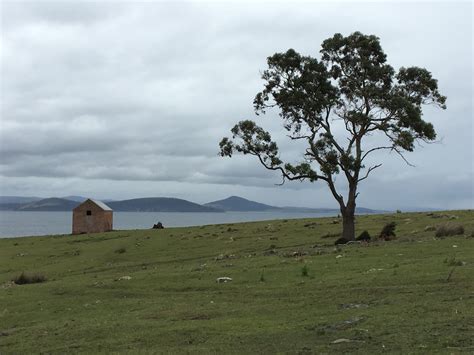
(89, 213)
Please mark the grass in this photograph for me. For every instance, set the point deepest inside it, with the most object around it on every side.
(449, 229)
(410, 295)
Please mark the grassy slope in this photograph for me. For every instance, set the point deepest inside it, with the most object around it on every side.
(173, 303)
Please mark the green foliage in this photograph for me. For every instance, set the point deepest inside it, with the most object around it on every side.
(120, 250)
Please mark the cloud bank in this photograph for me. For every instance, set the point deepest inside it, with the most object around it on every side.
(131, 99)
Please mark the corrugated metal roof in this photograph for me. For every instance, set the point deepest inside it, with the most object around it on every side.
(101, 205)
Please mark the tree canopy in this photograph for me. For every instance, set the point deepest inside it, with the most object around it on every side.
(351, 83)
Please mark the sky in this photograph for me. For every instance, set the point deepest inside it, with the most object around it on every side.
(122, 100)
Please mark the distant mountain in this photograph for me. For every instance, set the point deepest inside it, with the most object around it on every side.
(18, 199)
(82, 198)
(10, 206)
(49, 204)
(235, 203)
(74, 198)
(152, 204)
(159, 204)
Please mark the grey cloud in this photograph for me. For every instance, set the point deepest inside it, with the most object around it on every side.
(132, 99)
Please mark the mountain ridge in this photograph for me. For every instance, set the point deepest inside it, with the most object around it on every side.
(163, 204)
(240, 204)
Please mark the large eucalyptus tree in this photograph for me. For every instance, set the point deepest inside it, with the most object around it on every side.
(351, 86)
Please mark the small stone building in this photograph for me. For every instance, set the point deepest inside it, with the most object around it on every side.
(91, 217)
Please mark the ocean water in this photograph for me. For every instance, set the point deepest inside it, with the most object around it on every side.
(19, 224)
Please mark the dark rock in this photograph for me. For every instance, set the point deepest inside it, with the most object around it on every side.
(159, 225)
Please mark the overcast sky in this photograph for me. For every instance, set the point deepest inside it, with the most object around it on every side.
(131, 100)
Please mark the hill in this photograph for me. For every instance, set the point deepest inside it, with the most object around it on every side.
(235, 203)
(49, 204)
(292, 291)
(151, 204)
(10, 206)
(18, 199)
(158, 204)
(75, 198)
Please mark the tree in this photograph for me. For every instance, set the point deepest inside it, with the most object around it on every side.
(351, 86)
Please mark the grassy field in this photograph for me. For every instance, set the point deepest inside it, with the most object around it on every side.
(292, 291)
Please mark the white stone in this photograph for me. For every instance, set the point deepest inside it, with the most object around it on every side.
(223, 279)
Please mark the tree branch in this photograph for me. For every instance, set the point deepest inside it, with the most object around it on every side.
(368, 172)
(373, 150)
(284, 173)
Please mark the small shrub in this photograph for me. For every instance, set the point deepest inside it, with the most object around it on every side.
(120, 250)
(24, 279)
(388, 231)
(399, 211)
(305, 271)
(262, 277)
(448, 230)
(364, 237)
(453, 262)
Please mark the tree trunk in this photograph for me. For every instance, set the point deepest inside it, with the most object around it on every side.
(348, 223)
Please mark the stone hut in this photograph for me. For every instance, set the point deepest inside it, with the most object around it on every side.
(91, 217)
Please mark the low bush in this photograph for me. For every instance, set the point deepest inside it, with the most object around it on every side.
(24, 279)
(449, 229)
(363, 237)
(304, 271)
(120, 250)
(388, 231)
(453, 262)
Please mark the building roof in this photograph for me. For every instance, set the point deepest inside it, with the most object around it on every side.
(101, 205)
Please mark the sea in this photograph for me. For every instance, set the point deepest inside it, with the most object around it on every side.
(22, 224)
